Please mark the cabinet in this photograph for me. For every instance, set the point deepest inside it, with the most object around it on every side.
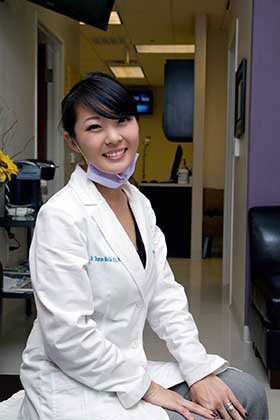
(172, 204)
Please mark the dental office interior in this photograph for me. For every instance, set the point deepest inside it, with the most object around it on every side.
(203, 209)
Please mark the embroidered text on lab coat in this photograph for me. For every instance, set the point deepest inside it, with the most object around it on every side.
(94, 258)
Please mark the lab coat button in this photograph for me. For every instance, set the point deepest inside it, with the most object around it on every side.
(134, 344)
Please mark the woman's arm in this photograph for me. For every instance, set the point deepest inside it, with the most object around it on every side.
(169, 317)
(65, 303)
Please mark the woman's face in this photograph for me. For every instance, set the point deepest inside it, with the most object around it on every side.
(110, 145)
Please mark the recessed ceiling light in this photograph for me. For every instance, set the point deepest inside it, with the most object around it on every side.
(125, 72)
(115, 18)
(166, 49)
(82, 23)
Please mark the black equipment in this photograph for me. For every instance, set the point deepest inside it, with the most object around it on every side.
(176, 164)
(92, 12)
(25, 188)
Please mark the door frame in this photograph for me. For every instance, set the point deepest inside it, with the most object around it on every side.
(55, 142)
(230, 163)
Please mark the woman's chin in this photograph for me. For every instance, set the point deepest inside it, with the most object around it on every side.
(116, 167)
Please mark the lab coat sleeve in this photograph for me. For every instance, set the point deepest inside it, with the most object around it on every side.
(65, 303)
(169, 317)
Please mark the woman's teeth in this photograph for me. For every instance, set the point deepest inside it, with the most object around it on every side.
(115, 154)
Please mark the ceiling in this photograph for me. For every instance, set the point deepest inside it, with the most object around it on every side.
(146, 22)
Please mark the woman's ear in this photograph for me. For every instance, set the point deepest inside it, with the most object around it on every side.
(71, 143)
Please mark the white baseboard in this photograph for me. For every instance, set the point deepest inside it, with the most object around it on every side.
(246, 334)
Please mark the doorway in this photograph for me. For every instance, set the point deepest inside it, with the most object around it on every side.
(49, 91)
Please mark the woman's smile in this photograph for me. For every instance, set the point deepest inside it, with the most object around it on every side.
(116, 154)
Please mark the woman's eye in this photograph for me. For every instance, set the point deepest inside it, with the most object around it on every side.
(93, 127)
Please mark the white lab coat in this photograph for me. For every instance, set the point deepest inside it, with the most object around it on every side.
(84, 358)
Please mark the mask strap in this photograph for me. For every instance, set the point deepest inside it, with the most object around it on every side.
(77, 144)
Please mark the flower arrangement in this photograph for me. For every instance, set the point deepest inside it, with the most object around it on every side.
(7, 168)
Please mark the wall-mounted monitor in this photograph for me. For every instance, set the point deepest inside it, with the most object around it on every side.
(178, 100)
(92, 12)
(144, 101)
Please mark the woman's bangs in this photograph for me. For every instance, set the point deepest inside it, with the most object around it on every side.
(113, 104)
(102, 109)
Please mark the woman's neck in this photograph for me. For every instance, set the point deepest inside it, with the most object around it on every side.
(111, 195)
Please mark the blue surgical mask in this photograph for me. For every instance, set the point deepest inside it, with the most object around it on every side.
(105, 178)
(111, 180)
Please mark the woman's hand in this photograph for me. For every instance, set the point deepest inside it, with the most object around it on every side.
(170, 400)
(212, 393)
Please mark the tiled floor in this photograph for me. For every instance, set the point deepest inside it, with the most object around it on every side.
(208, 303)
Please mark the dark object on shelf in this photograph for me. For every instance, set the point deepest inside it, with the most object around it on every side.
(25, 188)
(172, 205)
(264, 229)
(213, 211)
(178, 100)
(176, 164)
(240, 99)
(28, 296)
(9, 385)
(92, 12)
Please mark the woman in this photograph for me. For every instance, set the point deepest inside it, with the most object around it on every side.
(99, 271)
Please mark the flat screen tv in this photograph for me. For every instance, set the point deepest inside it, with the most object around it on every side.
(144, 101)
(92, 12)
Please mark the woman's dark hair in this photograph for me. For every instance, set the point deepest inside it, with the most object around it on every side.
(100, 93)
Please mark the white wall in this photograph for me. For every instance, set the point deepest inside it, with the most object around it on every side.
(17, 73)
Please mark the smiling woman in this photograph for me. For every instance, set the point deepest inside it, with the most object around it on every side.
(99, 117)
(99, 273)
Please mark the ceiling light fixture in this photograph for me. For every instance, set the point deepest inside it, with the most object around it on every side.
(115, 18)
(166, 49)
(127, 72)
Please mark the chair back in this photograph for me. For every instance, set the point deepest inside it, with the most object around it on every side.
(264, 231)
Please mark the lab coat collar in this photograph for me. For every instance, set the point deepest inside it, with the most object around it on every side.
(84, 187)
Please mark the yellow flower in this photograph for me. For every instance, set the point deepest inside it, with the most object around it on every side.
(7, 167)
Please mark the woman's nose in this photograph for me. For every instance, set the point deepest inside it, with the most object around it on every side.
(113, 136)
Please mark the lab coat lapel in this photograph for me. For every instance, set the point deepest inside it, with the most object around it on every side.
(118, 240)
(139, 215)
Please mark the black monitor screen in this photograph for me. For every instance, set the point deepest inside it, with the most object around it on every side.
(144, 101)
(176, 164)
